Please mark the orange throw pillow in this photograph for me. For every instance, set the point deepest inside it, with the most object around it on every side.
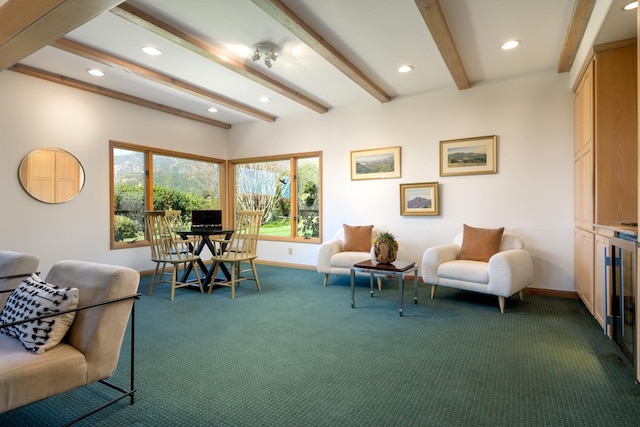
(357, 238)
(480, 244)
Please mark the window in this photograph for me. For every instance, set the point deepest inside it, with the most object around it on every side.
(286, 188)
(150, 179)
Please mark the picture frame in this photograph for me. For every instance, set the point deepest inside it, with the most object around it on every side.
(469, 156)
(419, 199)
(375, 163)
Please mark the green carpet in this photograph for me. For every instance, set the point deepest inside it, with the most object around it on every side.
(297, 354)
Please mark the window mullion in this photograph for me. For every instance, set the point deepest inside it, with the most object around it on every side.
(293, 191)
(148, 184)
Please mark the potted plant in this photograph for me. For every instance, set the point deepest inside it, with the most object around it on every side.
(385, 248)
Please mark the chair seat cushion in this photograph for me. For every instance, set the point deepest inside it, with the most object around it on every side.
(26, 377)
(347, 259)
(465, 270)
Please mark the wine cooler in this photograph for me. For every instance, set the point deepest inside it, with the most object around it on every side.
(622, 296)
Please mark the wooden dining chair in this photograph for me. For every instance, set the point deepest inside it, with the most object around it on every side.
(176, 223)
(167, 248)
(240, 248)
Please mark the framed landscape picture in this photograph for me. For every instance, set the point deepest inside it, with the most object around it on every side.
(419, 199)
(376, 163)
(470, 156)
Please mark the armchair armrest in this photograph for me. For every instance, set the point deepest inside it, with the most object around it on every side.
(15, 276)
(84, 307)
(510, 271)
(435, 256)
(325, 252)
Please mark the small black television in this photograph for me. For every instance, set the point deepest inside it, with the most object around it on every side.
(208, 219)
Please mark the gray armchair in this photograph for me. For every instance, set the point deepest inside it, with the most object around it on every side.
(14, 266)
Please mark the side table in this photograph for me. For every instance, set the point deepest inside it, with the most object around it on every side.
(398, 269)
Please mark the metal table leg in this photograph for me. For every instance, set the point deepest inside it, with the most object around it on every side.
(401, 282)
(371, 284)
(353, 288)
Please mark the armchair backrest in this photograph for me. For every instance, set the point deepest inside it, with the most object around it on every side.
(15, 264)
(97, 332)
(509, 241)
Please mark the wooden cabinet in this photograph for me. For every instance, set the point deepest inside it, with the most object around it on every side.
(583, 266)
(602, 251)
(583, 150)
(605, 162)
(616, 136)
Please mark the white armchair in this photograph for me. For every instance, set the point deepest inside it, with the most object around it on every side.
(333, 259)
(508, 271)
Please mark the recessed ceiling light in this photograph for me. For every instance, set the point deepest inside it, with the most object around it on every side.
(212, 110)
(150, 50)
(510, 44)
(631, 6)
(265, 99)
(95, 72)
(405, 68)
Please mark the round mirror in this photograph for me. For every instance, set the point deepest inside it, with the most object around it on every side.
(51, 175)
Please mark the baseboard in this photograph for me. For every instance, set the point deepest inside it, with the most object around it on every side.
(551, 293)
(530, 291)
(286, 264)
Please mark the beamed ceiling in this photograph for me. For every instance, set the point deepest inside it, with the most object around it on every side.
(332, 53)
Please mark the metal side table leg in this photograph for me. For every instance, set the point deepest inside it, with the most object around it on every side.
(401, 280)
(371, 284)
(353, 288)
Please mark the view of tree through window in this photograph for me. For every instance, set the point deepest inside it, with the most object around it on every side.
(286, 189)
(308, 179)
(178, 183)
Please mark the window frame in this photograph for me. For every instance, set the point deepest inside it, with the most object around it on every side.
(148, 194)
(292, 158)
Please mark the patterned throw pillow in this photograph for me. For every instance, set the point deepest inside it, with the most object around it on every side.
(34, 297)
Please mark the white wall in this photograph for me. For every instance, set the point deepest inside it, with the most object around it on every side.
(532, 193)
(36, 114)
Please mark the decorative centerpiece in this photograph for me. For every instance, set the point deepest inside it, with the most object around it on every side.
(385, 248)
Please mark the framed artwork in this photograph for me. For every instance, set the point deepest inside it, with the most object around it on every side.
(419, 199)
(469, 156)
(376, 163)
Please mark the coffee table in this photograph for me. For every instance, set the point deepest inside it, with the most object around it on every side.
(398, 269)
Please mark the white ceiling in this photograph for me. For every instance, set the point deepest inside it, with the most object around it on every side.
(377, 36)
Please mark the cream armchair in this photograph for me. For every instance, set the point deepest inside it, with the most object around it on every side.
(509, 271)
(333, 259)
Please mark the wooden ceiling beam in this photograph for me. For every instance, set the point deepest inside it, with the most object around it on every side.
(199, 47)
(285, 17)
(67, 81)
(433, 16)
(26, 26)
(577, 26)
(110, 60)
